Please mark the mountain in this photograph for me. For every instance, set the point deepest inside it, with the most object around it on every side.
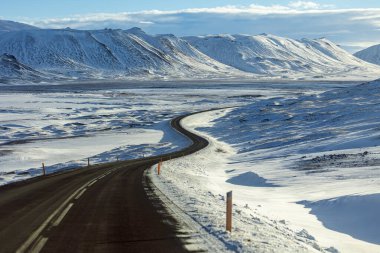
(371, 54)
(109, 54)
(276, 56)
(12, 70)
(132, 54)
(7, 26)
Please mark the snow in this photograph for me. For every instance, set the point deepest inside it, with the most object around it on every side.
(272, 55)
(60, 128)
(7, 25)
(356, 215)
(68, 54)
(250, 179)
(371, 54)
(12, 69)
(109, 54)
(304, 172)
(195, 183)
(302, 162)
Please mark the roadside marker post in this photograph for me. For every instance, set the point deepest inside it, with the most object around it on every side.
(43, 169)
(229, 212)
(159, 168)
(88, 162)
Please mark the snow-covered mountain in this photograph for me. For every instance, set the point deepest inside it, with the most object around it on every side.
(11, 69)
(276, 56)
(121, 54)
(7, 25)
(109, 53)
(371, 54)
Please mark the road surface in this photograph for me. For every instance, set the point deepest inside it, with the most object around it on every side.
(103, 208)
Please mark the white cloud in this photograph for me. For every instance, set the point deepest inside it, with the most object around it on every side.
(304, 5)
(308, 5)
(298, 19)
(146, 22)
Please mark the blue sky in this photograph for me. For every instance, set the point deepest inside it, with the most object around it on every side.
(352, 24)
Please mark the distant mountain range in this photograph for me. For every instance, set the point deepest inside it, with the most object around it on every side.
(47, 54)
(371, 54)
(276, 56)
(110, 54)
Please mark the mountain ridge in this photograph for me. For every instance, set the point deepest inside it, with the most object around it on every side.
(134, 54)
(8, 25)
(370, 54)
(108, 53)
(273, 55)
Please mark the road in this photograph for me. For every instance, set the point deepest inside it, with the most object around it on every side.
(102, 208)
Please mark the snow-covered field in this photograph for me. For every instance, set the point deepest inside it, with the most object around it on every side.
(305, 173)
(303, 164)
(63, 125)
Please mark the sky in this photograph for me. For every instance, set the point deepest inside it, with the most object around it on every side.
(351, 23)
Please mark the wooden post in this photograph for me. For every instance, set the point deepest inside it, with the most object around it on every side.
(88, 162)
(159, 168)
(43, 169)
(229, 212)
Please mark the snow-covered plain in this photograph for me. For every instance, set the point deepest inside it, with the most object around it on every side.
(63, 125)
(303, 164)
(305, 173)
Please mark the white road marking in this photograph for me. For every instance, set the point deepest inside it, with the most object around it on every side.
(39, 245)
(32, 238)
(63, 214)
(93, 182)
(38, 231)
(80, 193)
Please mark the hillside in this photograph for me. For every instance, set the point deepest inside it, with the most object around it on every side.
(276, 56)
(133, 54)
(371, 54)
(7, 26)
(12, 70)
(109, 54)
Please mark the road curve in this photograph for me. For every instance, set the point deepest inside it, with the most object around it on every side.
(103, 208)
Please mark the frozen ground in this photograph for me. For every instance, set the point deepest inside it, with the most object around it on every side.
(305, 173)
(302, 164)
(63, 125)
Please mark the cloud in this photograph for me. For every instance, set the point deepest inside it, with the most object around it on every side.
(307, 5)
(349, 27)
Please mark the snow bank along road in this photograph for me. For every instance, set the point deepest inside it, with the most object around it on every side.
(103, 208)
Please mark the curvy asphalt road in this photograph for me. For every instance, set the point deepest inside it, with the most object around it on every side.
(102, 208)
